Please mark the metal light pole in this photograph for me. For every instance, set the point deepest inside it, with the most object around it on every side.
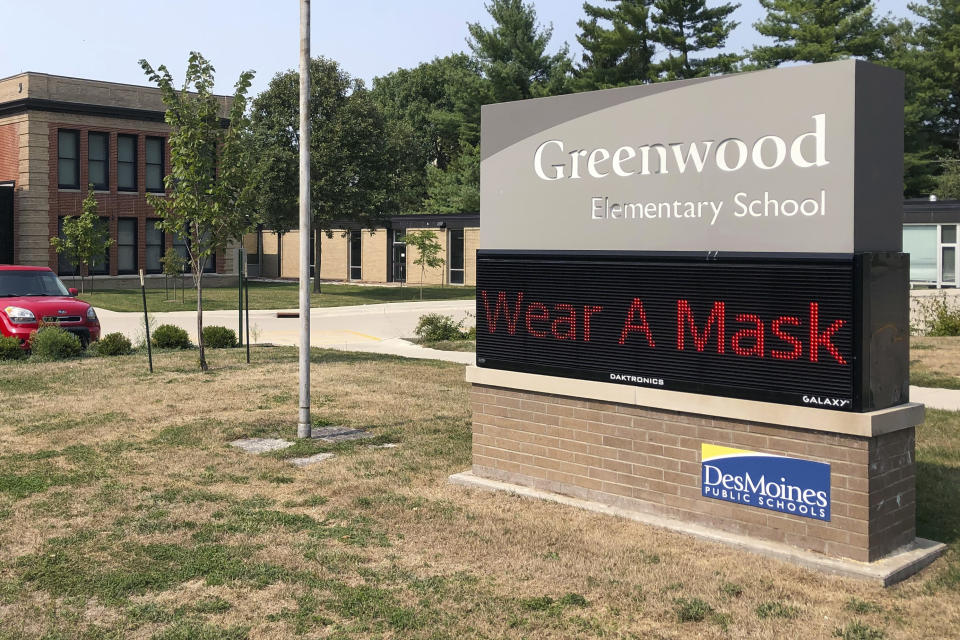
(303, 422)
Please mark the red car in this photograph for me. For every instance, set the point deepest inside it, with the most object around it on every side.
(30, 296)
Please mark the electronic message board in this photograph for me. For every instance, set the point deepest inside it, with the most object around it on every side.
(734, 235)
(800, 331)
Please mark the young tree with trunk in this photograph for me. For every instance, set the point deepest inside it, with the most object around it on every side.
(86, 238)
(428, 251)
(210, 196)
(618, 45)
(688, 27)
(820, 31)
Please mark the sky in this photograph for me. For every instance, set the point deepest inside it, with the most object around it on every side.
(104, 40)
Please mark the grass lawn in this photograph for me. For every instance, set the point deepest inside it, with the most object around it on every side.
(935, 362)
(125, 513)
(449, 345)
(271, 295)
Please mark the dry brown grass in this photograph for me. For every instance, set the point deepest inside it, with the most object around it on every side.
(154, 525)
(938, 355)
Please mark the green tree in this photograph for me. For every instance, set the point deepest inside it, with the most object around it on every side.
(820, 31)
(435, 109)
(929, 54)
(86, 238)
(948, 182)
(618, 45)
(173, 267)
(456, 190)
(688, 27)
(428, 251)
(354, 153)
(210, 197)
(513, 56)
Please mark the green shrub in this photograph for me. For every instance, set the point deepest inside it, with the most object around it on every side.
(938, 316)
(435, 327)
(10, 349)
(53, 343)
(112, 344)
(692, 610)
(167, 336)
(216, 337)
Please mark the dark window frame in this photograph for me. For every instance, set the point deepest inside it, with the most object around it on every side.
(135, 162)
(75, 159)
(136, 246)
(147, 245)
(102, 186)
(461, 270)
(147, 164)
(356, 236)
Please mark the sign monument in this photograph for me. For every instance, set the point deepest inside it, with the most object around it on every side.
(692, 304)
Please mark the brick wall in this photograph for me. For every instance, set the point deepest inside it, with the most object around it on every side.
(375, 257)
(649, 460)
(112, 203)
(334, 251)
(9, 152)
(471, 242)
(435, 275)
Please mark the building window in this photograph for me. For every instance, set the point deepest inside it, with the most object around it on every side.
(155, 164)
(456, 256)
(65, 266)
(102, 267)
(948, 254)
(126, 163)
(127, 245)
(68, 159)
(356, 255)
(180, 244)
(98, 172)
(155, 246)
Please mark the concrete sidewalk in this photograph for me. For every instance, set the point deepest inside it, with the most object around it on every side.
(380, 328)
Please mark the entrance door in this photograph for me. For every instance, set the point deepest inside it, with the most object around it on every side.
(398, 256)
(6, 224)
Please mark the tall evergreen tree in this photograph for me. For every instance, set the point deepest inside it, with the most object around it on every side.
(687, 27)
(513, 55)
(820, 31)
(619, 54)
(931, 61)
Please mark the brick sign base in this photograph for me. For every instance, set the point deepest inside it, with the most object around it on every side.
(647, 458)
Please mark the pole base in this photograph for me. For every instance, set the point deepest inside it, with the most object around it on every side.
(303, 430)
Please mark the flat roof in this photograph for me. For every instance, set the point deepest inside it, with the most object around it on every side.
(47, 92)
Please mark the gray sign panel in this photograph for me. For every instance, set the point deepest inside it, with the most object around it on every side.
(805, 159)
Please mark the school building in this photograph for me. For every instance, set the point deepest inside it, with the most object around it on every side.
(351, 253)
(58, 136)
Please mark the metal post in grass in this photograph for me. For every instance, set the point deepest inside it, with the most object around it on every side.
(246, 287)
(303, 422)
(146, 319)
(240, 295)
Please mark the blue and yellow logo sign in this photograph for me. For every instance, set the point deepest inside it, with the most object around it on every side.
(789, 485)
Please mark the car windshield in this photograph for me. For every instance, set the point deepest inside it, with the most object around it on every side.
(30, 283)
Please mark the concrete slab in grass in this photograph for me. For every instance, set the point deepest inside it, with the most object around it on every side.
(261, 445)
(338, 434)
(897, 566)
(310, 460)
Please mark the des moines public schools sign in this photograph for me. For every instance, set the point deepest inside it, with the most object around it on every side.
(779, 483)
(805, 159)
